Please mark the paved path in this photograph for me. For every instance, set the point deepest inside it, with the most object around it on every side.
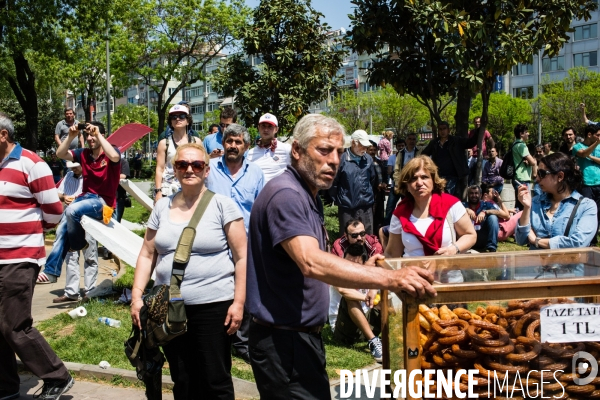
(85, 390)
(43, 308)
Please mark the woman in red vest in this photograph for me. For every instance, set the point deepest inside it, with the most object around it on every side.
(423, 221)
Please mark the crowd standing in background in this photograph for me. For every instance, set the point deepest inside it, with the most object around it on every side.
(261, 276)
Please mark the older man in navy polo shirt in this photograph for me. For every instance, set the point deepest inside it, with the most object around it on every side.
(289, 268)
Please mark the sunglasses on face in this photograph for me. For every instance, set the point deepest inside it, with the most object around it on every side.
(197, 166)
(355, 235)
(543, 172)
(178, 116)
(222, 125)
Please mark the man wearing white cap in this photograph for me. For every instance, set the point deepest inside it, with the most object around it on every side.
(70, 187)
(352, 188)
(271, 155)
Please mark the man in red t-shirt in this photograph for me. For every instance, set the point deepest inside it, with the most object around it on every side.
(101, 168)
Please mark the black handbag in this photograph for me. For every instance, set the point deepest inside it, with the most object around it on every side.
(164, 305)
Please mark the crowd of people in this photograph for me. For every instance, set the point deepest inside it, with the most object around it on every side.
(261, 279)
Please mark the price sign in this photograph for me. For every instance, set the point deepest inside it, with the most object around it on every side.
(569, 323)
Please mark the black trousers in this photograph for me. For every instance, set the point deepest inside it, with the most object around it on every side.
(200, 359)
(288, 364)
(16, 333)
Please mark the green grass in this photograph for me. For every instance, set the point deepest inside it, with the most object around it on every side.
(86, 341)
(136, 213)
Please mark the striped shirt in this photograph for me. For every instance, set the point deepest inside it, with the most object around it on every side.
(71, 185)
(28, 204)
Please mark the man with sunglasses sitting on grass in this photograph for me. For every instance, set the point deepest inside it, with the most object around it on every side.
(352, 315)
(354, 232)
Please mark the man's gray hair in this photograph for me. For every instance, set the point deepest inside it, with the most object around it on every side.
(236, 130)
(306, 128)
(6, 123)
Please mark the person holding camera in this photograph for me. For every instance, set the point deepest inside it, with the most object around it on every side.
(101, 166)
(165, 182)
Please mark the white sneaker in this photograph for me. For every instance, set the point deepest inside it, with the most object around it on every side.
(376, 349)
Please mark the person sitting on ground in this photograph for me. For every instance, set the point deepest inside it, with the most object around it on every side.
(101, 167)
(422, 222)
(485, 216)
(69, 188)
(351, 313)
(354, 232)
(544, 221)
(491, 171)
(506, 227)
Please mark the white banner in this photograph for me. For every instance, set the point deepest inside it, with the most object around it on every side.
(570, 323)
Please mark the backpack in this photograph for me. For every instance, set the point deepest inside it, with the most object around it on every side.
(508, 169)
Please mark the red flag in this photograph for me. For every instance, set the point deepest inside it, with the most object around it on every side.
(127, 135)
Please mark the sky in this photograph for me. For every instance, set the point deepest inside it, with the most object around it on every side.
(335, 11)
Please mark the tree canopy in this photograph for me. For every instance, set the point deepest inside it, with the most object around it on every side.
(300, 61)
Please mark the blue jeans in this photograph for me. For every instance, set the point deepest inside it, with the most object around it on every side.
(487, 236)
(451, 183)
(59, 250)
(70, 235)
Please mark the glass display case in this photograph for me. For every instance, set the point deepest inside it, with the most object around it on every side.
(486, 317)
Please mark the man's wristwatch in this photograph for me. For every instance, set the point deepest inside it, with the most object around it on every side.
(156, 191)
(537, 242)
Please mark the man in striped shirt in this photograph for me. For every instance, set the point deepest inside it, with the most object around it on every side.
(28, 204)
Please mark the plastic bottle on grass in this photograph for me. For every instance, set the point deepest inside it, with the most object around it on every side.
(115, 323)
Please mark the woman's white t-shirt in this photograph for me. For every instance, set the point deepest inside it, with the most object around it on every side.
(412, 245)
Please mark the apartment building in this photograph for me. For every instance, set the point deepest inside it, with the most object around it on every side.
(580, 51)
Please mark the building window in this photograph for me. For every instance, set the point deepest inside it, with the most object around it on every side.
(196, 126)
(172, 90)
(523, 92)
(131, 100)
(553, 64)
(212, 107)
(197, 109)
(589, 59)
(194, 92)
(523, 69)
(586, 32)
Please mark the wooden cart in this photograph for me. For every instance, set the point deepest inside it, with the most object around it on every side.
(508, 276)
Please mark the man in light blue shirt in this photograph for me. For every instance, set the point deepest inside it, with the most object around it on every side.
(234, 176)
(214, 143)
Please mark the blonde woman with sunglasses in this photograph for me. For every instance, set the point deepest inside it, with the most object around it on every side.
(214, 285)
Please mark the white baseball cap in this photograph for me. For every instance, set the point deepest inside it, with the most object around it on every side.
(178, 108)
(71, 164)
(269, 119)
(361, 137)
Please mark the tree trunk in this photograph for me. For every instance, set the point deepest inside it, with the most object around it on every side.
(485, 102)
(461, 117)
(24, 89)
